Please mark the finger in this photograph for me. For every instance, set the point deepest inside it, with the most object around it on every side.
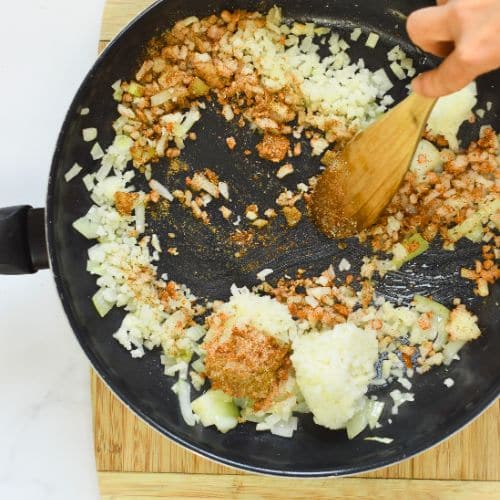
(440, 49)
(450, 76)
(441, 2)
(429, 25)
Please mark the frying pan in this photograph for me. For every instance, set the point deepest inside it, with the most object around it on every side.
(207, 264)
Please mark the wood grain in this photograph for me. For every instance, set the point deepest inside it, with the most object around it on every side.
(128, 451)
(119, 486)
(124, 443)
(118, 13)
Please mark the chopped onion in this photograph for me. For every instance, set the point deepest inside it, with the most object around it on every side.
(195, 332)
(227, 112)
(387, 100)
(96, 152)
(206, 199)
(201, 183)
(192, 116)
(188, 21)
(101, 304)
(285, 429)
(378, 381)
(344, 265)
(85, 227)
(125, 111)
(405, 383)
(224, 190)
(118, 92)
(123, 143)
(202, 57)
(449, 382)
(262, 275)
(216, 408)
(396, 54)
(399, 398)
(155, 243)
(161, 98)
(357, 424)
(136, 89)
(383, 82)
(407, 63)
(116, 85)
(103, 171)
(89, 134)
(372, 40)
(84, 111)
(486, 210)
(424, 304)
(355, 34)
(411, 248)
(374, 412)
(72, 172)
(140, 218)
(450, 350)
(161, 189)
(197, 380)
(183, 391)
(397, 70)
(343, 45)
(369, 415)
(88, 181)
(179, 142)
(198, 366)
(382, 440)
(181, 367)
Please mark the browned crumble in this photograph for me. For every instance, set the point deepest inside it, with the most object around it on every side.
(242, 238)
(485, 272)
(292, 216)
(317, 300)
(443, 199)
(124, 202)
(273, 147)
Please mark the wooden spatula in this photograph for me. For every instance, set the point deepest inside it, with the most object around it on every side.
(365, 175)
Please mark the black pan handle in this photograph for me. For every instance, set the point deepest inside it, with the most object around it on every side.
(23, 248)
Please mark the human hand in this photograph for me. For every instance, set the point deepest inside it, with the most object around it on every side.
(466, 33)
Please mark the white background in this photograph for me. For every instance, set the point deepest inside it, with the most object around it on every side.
(46, 452)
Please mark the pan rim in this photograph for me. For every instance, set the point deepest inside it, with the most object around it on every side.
(480, 406)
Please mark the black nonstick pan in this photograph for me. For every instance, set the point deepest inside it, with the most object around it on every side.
(207, 264)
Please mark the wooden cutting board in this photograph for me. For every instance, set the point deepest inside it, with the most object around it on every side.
(135, 462)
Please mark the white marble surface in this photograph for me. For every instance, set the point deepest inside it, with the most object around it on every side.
(45, 415)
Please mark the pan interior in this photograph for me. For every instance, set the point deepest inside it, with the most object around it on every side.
(208, 265)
